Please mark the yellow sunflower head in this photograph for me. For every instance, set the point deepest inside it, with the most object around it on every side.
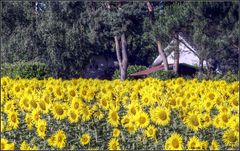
(193, 121)
(73, 116)
(113, 118)
(113, 144)
(194, 143)
(13, 119)
(230, 138)
(41, 128)
(59, 110)
(174, 142)
(85, 139)
(160, 116)
(60, 139)
(214, 145)
(142, 119)
(116, 132)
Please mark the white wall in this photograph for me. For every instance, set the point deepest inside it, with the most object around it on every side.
(186, 56)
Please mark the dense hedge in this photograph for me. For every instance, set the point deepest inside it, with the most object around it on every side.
(131, 69)
(229, 76)
(163, 75)
(31, 69)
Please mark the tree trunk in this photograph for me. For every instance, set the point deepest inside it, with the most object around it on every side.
(200, 65)
(124, 58)
(164, 58)
(118, 50)
(176, 57)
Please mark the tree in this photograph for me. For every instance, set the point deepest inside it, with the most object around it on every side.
(212, 32)
(157, 33)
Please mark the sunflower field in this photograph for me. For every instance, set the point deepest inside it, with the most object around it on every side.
(100, 114)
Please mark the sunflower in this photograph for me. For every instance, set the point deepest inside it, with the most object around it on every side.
(60, 139)
(43, 107)
(235, 101)
(193, 121)
(217, 122)
(59, 111)
(230, 138)
(35, 115)
(125, 120)
(160, 116)
(98, 114)
(114, 104)
(151, 131)
(116, 132)
(29, 121)
(33, 104)
(76, 103)
(133, 108)
(90, 94)
(113, 144)
(146, 100)
(208, 104)
(83, 91)
(113, 118)
(5, 145)
(131, 128)
(72, 92)
(210, 96)
(16, 89)
(25, 103)
(206, 120)
(51, 140)
(173, 102)
(103, 103)
(58, 93)
(85, 139)
(73, 116)
(41, 128)
(142, 119)
(194, 143)
(183, 104)
(134, 96)
(25, 146)
(174, 142)
(224, 118)
(214, 145)
(9, 106)
(234, 123)
(86, 113)
(204, 145)
(13, 119)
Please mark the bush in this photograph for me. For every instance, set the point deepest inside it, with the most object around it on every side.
(131, 69)
(163, 75)
(25, 70)
(228, 77)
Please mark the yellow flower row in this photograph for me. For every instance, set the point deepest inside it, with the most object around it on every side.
(132, 106)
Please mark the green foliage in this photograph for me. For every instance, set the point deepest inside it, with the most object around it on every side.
(163, 75)
(228, 77)
(67, 34)
(25, 70)
(131, 69)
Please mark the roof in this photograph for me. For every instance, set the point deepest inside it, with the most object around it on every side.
(149, 70)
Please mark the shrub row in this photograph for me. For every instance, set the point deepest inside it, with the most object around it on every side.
(28, 70)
